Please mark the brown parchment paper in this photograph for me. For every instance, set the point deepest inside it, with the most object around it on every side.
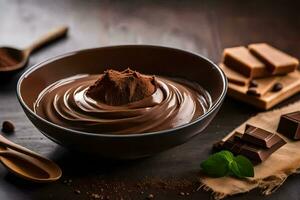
(270, 174)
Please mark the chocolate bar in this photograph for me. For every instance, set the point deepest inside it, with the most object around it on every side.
(289, 125)
(276, 61)
(241, 60)
(256, 154)
(233, 76)
(260, 137)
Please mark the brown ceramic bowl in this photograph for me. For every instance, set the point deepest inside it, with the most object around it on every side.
(146, 59)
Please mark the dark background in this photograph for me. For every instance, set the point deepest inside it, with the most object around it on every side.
(204, 27)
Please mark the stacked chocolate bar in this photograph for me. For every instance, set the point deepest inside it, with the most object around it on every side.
(256, 144)
(260, 75)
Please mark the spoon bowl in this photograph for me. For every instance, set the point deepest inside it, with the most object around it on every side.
(27, 164)
(12, 59)
(22, 165)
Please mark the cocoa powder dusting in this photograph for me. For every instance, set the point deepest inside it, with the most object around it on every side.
(119, 88)
(147, 188)
(6, 60)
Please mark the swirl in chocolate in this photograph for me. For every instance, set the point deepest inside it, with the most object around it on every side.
(174, 102)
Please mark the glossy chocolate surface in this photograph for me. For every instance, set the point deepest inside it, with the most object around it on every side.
(174, 103)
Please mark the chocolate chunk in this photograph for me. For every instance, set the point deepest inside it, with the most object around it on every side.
(241, 60)
(253, 83)
(289, 125)
(256, 154)
(276, 61)
(260, 137)
(8, 127)
(277, 87)
(252, 91)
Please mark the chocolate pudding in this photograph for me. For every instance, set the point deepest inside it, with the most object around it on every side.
(124, 102)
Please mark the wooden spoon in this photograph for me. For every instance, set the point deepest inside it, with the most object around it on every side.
(27, 164)
(12, 59)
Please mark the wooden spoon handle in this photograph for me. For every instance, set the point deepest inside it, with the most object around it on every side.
(48, 38)
(5, 142)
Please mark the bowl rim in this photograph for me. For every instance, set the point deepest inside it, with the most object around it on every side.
(218, 101)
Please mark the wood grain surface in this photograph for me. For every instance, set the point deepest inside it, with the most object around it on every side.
(204, 27)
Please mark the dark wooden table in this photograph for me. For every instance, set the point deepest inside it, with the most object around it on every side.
(205, 27)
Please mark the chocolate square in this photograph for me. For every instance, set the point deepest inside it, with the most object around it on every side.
(289, 125)
(260, 137)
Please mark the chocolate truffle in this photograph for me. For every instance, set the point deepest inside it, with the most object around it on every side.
(119, 88)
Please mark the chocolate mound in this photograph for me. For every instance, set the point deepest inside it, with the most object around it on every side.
(119, 88)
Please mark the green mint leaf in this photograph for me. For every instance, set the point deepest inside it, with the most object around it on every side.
(241, 167)
(216, 165)
(234, 169)
(227, 154)
(224, 163)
